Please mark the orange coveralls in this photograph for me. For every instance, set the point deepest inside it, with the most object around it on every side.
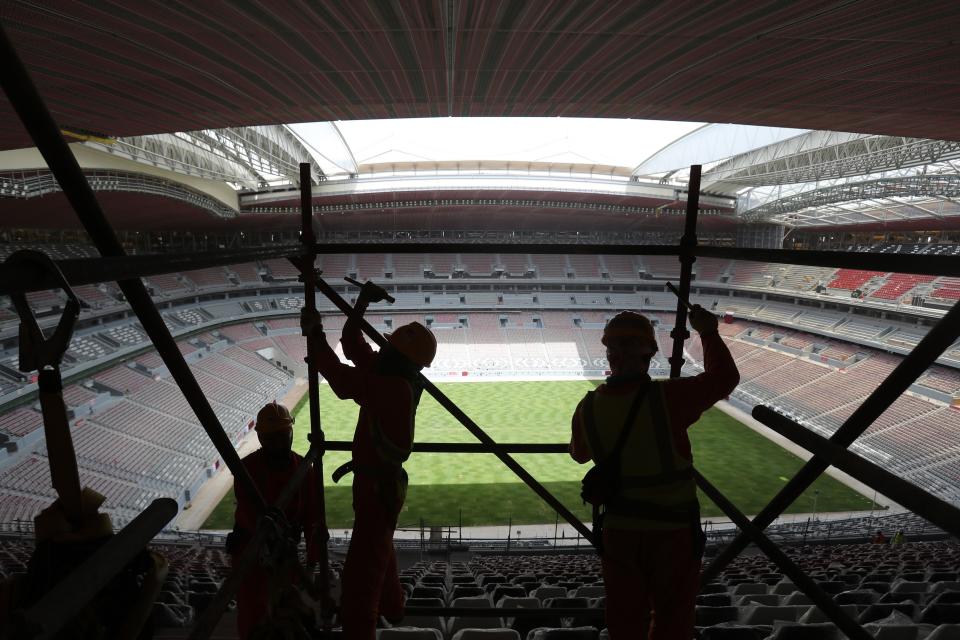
(371, 583)
(656, 569)
(252, 596)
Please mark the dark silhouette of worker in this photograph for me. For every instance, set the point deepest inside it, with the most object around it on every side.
(652, 542)
(386, 387)
(271, 467)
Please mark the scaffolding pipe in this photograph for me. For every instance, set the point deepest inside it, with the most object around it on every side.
(46, 135)
(464, 419)
(687, 244)
(937, 340)
(108, 269)
(819, 597)
(308, 274)
(15, 278)
(931, 508)
(65, 600)
(466, 447)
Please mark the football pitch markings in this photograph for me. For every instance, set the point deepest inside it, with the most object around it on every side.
(480, 490)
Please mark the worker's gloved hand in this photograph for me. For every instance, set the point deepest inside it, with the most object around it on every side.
(372, 293)
(311, 324)
(702, 320)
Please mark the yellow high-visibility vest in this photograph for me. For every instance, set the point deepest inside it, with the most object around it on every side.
(657, 488)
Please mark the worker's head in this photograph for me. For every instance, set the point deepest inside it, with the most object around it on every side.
(630, 343)
(416, 342)
(275, 429)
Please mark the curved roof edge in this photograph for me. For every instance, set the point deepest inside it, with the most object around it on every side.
(711, 143)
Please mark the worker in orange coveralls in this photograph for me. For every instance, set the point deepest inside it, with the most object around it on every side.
(652, 541)
(386, 387)
(271, 468)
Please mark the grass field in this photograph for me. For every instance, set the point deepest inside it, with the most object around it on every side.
(480, 489)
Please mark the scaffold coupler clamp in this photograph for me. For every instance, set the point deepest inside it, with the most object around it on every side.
(303, 277)
(37, 352)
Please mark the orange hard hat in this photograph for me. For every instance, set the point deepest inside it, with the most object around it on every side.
(414, 341)
(273, 418)
(630, 324)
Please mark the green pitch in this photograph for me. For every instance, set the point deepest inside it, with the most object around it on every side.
(479, 489)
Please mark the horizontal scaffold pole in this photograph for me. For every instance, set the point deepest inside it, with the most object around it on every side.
(80, 271)
(884, 262)
(465, 447)
(20, 278)
(926, 505)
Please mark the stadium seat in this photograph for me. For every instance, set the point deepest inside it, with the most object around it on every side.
(798, 631)
(561, 633)
(590, 591)
(815, 615)
(713, 587)
(859, 596)
(764, 615)
(409, 633)
(784, 588)
(769, 599)
(947, 585)
(546, 592)
(797, 598)
(940, 614)
(463, 591)
(750, 588)
(714, 600)
(880, 611)
(709, 616)
(946, 597)
(503, 591)
(486, 634)
(735, 632)
(429, 592)
(458, 623)
(945, 632)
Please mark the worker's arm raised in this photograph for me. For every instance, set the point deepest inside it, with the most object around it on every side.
(355, 348)
(345, 381)
(688, 398)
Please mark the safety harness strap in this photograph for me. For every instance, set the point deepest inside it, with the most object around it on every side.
(661, 431)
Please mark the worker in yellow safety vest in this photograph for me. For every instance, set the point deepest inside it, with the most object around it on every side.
(635, 431)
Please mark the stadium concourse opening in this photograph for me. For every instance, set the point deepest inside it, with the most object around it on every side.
(849, 357)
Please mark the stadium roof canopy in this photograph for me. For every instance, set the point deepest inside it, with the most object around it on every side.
(125, 69)
(115, 74)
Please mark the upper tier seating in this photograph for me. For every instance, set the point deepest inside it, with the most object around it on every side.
(851, 279)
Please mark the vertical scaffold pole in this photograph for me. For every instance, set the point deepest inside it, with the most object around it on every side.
(309, 277)
(687, 244)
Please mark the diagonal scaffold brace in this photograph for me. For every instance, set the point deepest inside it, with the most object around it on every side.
(937, 340)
